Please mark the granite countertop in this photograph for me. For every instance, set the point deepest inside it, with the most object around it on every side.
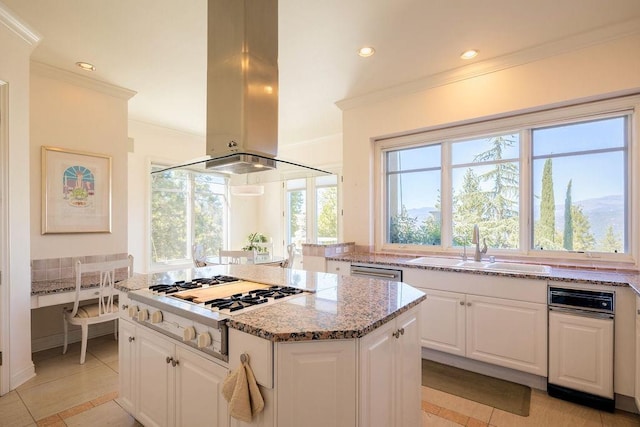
(608, 277)
(46, 287)
(334, 308)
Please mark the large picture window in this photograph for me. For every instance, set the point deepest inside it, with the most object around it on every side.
(552, 181)
(187, 208)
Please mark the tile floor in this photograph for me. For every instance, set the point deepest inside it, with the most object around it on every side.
(65, 393)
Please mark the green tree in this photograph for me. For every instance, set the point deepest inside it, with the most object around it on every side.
(328, 213)
(403, 228)
(611, 241)
(208, 212)
(169, 216)
(545, 236)
(495, 210)
(567, 240)
(583, 239)
(297, 217)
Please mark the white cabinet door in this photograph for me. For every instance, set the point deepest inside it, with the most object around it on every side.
(507, 333)
(198, 398)
(390, 374)
(306, 372)
(377, 377)
(637, 352)
(126, 368)
(409, 370)
(580, 355)
(340, 268)
(442, 320)
(155, 380)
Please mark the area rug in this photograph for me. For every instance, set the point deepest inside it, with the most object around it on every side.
(505, 395)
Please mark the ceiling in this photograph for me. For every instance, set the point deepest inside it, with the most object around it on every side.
(158, 47)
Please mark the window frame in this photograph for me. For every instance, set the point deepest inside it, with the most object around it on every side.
(523, 124)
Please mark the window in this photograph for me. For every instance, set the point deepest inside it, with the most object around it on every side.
(312, 210)
(486, 190)
(187, 208)
(413, 195)
(549, 181)
(579, 186)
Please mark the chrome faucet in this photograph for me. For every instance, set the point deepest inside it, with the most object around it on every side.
(475, 239)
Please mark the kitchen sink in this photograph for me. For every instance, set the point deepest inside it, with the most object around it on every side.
(520, 268)
(436, 261)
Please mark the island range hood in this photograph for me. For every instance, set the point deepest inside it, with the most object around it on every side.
(242, 93)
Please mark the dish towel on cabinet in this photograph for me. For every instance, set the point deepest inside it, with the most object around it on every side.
(241, 391)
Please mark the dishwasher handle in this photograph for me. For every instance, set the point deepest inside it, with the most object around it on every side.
(581, 313)
(376, 273)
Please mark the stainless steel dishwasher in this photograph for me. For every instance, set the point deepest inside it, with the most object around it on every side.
(376, 272)
(581, 343)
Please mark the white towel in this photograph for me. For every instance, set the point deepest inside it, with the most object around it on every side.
(241, 391)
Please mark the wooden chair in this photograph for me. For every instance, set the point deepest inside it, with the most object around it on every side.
(106, 309)
(199, 256)
(237, 257)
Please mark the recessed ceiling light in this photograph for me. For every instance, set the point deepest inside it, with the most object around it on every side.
(366, 51)
(472, 53)
(86, 66)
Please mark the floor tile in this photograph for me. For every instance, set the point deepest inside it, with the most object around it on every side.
(60, 366)
(107, 414)
(620, 419)
(57, 395)
(458, 404)
(104, 349)
(431, 420)
(14, 412)
(548, 411)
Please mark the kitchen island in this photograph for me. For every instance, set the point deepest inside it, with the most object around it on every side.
(346, 352)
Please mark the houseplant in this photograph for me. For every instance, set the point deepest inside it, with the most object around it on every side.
(257, 242)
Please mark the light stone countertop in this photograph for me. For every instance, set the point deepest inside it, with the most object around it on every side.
(608, 277)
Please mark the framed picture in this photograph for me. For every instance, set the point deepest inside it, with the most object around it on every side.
(76, 192)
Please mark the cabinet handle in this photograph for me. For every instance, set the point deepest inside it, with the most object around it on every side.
(396, 334)
(131, 339)
(169, 359)
(174, 362)
(125, 306)
(461, 302)
(468, 304)
(401, 331)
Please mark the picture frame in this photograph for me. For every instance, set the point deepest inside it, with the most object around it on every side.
(76, 191)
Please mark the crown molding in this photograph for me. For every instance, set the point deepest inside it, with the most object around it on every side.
(514, 59)
(16, 25)
(55, 73)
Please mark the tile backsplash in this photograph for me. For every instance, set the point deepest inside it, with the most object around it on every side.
(63, 268)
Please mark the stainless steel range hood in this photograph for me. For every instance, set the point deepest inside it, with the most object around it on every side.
(242, 92)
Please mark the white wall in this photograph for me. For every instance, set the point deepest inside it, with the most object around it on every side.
(590, 72)
(76, 113)
(16, 43)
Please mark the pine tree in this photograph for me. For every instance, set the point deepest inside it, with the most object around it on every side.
(546, 227)
(583, 239)
(611, 241)
(568, 221)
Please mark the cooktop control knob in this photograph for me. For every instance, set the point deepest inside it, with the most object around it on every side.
(204, 340)
(156, 317)
(133, 311)
(189, 333)
(143, 315)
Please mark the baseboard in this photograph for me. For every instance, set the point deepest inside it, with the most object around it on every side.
(75, 335)
(533, 381)
(23, 376)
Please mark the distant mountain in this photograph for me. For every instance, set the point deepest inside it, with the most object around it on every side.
(601, 212)
(422, 213)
